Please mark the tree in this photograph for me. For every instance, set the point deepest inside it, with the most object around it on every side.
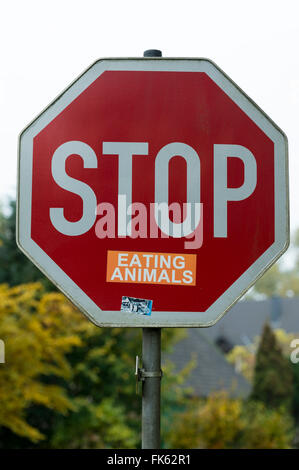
(278, 280)
(103, 385)
(273, 376)
(271, 283)
(66, 382)
(244, 356)
(295, 407)
(35, 345)
(16, 268)
(220, 422)
(266, 428)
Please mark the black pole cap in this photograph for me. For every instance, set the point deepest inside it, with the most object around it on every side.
(152, 53)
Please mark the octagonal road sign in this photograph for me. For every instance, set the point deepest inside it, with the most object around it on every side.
(155, 179)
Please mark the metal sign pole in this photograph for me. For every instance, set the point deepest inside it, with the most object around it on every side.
(151, 370)
(151, 387)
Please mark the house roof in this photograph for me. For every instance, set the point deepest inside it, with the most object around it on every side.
(246, 319)
(241, 325)
(212, 371)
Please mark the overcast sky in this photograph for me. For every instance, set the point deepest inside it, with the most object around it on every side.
(46, 44)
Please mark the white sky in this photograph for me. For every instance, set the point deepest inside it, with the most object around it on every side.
(46, 44)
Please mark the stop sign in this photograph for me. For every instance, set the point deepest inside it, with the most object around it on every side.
(155, 179)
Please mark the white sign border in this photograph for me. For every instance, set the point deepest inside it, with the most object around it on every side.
(157, 319)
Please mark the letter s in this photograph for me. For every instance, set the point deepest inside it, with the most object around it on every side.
(74, 186)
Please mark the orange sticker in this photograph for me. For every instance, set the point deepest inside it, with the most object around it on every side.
(151, 268)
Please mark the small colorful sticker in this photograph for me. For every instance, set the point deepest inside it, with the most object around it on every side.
(141, 306)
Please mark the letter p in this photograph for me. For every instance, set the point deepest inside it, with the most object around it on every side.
(223, 194)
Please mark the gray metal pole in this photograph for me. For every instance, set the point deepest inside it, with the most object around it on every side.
(151, 363)
(151, 388)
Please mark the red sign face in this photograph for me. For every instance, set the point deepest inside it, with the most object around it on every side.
(124, 142)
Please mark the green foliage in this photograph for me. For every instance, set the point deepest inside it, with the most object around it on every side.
(273, 376)
(175, 397)
(36, 342)
(244, 356)
(16, 268)
(279, 281)
(271, 283)
(220, 422)
(104, 375)
(244, 359)
(295, 404)
(266, 428)
(212, 424)
(67, 383)
(95, 426)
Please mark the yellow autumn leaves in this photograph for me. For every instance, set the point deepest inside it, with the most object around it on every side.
(38, 329)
